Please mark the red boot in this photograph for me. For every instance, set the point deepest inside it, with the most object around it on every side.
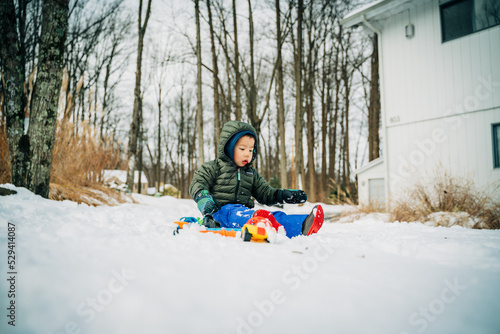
(314, 221)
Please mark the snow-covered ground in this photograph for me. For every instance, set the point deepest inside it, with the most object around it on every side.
(120, 269)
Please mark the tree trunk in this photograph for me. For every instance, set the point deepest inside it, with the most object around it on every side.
(199, 106)
(105, 111)
(281, 103)
(347, 88)
(341, 168)
(298, 98)
(347, 154)
(43, 117)
(374, 107)
(252, 99)
(104, 100)
(183, 140)
(229, 103)
(236, 66)
(310, 110)
(139, 155)
(215, 70)
(14, 103)
(333, 136)
(158, 159)
(135, 126)
(325, 112)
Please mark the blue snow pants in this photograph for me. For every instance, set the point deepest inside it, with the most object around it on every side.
(236, 215)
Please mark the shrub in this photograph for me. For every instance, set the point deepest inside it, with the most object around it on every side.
(78, 164)
(443, 192)
(170, 190)
(339, 195)
(81, 157)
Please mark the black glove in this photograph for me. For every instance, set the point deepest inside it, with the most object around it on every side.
(210, 222)
(290, 196)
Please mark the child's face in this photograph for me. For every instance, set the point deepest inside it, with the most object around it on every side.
(243, 151)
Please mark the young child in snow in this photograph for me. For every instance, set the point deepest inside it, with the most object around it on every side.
(223, 188)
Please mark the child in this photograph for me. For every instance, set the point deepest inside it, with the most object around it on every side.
(223, 188)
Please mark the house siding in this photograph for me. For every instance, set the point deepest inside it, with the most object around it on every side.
(440, 98)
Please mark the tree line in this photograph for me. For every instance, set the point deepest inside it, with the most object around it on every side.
(300, 83)
(60, 62)
(287, 67)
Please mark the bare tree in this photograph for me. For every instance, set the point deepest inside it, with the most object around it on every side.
(215, 72)
(135, 126)
(162, 59)
(298, 99)
(326, 101)
(310, 81)
(43, 115)
(199, 105)
(336, 108)
(374, 105)
(95, 49)
(13, 78)
(227, 98)
(252, 93)
(347, 81)
(236, 66)
(116, 50)
(281, 101)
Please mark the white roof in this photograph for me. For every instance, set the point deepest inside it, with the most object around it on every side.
(122, 175)
(369, 165)
(378, 10)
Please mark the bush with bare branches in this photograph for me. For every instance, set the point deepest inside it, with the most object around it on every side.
(444, 192)
(81, 157)
(78, 164)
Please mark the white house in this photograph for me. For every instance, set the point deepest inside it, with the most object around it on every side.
(440, 91)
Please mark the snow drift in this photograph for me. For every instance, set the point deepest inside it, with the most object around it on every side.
(83, 269)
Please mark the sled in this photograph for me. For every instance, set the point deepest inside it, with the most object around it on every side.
(226, 232)
(257, 229)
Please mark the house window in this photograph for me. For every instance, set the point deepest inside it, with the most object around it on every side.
(463, 17)
(496, 145)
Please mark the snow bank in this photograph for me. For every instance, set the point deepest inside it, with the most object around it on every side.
(83, 269)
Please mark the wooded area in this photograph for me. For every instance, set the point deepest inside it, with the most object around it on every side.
(308, 86)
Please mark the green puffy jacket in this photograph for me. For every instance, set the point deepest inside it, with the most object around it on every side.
(228, 183)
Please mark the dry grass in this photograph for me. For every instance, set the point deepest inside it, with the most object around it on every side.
(444, 192)
(440, 200)
(94, 194)
(372, 207)
(356, 212)
(79, 156)
(78, 164)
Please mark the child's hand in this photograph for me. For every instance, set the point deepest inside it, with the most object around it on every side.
(205, 202)
(291, 196)
(210, 222)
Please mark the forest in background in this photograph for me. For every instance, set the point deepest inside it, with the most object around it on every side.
(144, 85)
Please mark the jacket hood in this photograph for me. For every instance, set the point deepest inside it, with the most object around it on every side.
(230, 129)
